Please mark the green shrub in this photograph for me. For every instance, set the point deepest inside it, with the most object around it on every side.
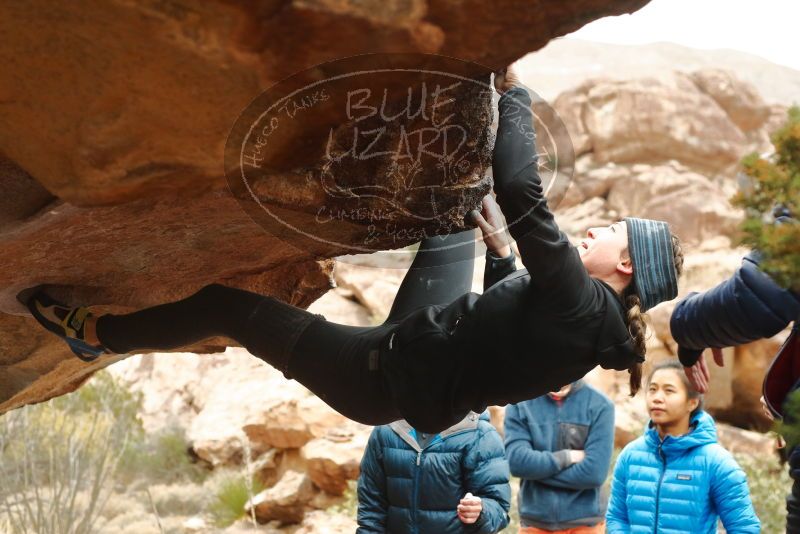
(769, 484)
(59, 457)
(163, 457)
(349, 504)
(176, 499)
(774, 180)
(230, 497)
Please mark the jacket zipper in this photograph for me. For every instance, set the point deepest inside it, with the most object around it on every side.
(556, 515)
(452, 329)
(660, 481)
(415, 493)
(415, 490)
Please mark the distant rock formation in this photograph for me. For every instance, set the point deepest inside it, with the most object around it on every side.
(668, 147)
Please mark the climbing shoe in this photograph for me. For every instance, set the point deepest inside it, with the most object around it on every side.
(65, 322)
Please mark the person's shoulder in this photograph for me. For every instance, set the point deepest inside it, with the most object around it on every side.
(595, 403)
(597, 396)
(523, 407)
(385, 435)
(485, 427)
(635, 446)
(718, 457)
(379, 433)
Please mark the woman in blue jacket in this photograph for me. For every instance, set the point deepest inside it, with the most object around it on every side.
(676, 478)
(452, 482)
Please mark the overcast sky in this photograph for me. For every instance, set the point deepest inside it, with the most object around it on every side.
(767, 28)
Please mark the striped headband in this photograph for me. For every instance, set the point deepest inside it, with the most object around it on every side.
(650, 247)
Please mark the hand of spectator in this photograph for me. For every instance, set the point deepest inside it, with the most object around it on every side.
(576, 456)
(469, 509)
(698, 373)
(492, 224)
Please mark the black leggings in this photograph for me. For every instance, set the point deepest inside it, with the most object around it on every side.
(335, 361)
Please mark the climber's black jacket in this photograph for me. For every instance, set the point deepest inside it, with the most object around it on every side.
(531, 332)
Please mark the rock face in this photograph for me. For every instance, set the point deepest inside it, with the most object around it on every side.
(335, 458)
(740, 101)
(114, 127)
(696, 207)
(328, 523)
(665, 147)
(653, 120)
(294, 423)
(285, 501)
(374, 288)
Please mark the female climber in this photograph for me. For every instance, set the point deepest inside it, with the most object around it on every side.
(443, 350)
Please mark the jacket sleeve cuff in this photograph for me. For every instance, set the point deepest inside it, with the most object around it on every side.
(497, 260)
(562, 459)
(688, 357)
(517, 91)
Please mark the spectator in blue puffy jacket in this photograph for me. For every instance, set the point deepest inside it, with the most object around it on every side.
(456, 481)
(676, 478)
(560, 445)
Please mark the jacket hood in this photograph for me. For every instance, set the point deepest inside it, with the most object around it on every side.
(403, 429)
(615, 349)
(703, 431)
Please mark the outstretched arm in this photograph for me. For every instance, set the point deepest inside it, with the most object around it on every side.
(746, 307)
(554, 264)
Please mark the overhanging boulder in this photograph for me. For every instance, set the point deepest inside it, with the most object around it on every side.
(114, 119)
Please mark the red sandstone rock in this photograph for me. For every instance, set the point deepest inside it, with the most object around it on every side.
(114, 122)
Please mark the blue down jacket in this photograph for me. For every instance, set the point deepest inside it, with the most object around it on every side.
(406, 488)
(746, 307)
(679, 485)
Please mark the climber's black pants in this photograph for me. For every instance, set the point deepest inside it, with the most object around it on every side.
(335, 361)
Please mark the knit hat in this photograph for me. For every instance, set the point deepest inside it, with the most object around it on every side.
(654, 274)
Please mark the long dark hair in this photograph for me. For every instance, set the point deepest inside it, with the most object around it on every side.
(635, 318)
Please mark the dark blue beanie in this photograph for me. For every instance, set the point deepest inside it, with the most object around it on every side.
(654, 274)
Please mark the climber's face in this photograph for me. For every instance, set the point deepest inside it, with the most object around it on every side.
(604, 251)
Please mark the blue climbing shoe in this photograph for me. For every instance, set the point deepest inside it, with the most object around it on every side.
(65, 322)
